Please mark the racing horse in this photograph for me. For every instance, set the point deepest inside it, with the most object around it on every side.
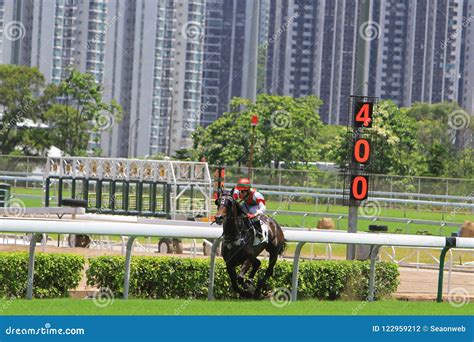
(238, 245)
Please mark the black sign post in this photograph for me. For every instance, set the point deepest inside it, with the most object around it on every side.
(359, 159)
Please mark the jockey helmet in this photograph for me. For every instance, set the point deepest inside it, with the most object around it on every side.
(243, 184)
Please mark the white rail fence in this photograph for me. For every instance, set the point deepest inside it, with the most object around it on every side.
(195, 230)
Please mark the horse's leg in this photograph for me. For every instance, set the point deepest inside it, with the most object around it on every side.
(243, 271)
(268, 272)
(233, 279)
(255, 266)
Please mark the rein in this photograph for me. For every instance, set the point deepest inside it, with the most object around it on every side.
(235, 216)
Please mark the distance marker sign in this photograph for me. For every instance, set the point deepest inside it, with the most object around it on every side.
(361, 149)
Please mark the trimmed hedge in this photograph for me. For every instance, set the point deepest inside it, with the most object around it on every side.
(171, 277)
(55, 274)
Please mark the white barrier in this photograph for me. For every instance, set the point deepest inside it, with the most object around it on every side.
(185, 229)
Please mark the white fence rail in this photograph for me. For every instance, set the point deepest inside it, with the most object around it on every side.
(184, 229)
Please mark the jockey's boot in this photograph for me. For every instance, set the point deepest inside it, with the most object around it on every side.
(258, 228)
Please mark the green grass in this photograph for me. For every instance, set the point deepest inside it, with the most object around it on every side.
(363, 225)
(310, 222)
(201, 307)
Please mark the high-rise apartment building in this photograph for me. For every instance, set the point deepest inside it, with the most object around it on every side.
(147, 54)
(176, 64)
(157, 52)
(311, 51)
(465, 136)
(414, 54)
(227, 55)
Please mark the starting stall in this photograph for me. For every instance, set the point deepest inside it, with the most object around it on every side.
(153, 188)
(143, 188)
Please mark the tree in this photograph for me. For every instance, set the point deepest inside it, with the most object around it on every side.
(327, 142)
(437, 139)
(286, 132)
(77, 111)
(20, 87)
(185, 154)
(463, 165)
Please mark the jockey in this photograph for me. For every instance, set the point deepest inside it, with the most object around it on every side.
(253, 203)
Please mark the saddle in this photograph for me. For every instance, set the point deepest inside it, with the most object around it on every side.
(257, 225)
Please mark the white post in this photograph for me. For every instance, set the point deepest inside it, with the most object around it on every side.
(373, 259)
(210, 289)
(296, 265)
(31, 266)
(128, 259)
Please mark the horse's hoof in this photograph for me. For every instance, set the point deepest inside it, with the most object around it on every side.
(250, 287)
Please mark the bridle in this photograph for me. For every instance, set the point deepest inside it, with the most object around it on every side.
(226, 200)
(223, 201)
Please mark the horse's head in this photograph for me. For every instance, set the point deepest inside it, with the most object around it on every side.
(224, 206)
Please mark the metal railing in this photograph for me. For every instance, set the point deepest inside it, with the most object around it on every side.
(339, 217)
(39, 227)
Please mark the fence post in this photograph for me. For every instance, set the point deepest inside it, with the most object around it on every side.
(210, 289)
(128, 259)
(450, 242)
(374, 250)
(279, 184)
(391, 191)
(296, 265)
(31, 266)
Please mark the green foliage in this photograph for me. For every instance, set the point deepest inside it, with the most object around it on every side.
(19, 90)
(413, 141)
(184, 154)
(80, 112)
(327, 142)
(72, 111)
(393, 145)
(55, 274)
(165, 277)
(286, 132)
(439, 146)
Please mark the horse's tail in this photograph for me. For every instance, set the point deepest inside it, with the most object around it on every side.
(281, 243)
(283, 248)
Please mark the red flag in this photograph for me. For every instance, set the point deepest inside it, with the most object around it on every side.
(254, 120)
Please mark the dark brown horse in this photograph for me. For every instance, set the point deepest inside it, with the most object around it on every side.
(238, 246)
